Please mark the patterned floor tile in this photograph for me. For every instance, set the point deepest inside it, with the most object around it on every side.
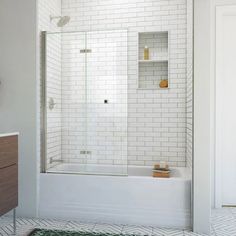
(224, 232)
(137, 230)
(188, 233)
(6, 230)
(167, 232)
(50, 223)
(223, 224)
(107, 228)
(79, 226)
(24, 230)
(233, 211)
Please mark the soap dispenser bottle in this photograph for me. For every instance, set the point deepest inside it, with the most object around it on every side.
(146, 53)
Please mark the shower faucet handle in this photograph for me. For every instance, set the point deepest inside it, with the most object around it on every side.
(51, 103)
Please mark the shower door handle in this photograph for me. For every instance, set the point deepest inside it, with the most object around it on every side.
(85, 50)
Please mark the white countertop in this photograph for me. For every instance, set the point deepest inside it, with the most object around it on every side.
(9, 134)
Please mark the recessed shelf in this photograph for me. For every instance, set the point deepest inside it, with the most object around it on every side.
(157, 88)
(156, 68)
(153, 60)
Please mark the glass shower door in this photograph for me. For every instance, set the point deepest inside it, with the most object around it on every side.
(51, 101)
(107, 102)
(65, 102)
(74, 101)
(85, 102)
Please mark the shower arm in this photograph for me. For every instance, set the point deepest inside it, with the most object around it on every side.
(54, 17)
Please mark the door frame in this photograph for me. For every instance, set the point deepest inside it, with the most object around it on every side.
(220, 12)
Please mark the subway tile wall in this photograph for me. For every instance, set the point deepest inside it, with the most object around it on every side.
(45, 9)
(107, 97)
(189, 131)
(156, 118)
(74, 107)
(151, 74)
(157, 44)
(94, 97)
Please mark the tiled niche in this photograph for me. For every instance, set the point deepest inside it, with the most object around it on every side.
(154, 69)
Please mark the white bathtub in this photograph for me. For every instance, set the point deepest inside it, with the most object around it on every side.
(136, 199)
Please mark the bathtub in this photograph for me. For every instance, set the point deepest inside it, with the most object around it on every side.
(136, 199)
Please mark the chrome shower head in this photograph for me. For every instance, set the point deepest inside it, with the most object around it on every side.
(63, 20)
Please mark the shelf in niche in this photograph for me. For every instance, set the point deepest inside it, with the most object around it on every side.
(153, 71)
(154, 60)
(157, 88)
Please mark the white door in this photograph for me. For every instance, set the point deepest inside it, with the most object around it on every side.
(226, 102)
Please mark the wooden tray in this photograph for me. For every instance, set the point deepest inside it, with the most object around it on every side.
(161, 174)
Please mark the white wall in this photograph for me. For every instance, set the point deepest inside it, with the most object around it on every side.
(202, 116)
(18, 92)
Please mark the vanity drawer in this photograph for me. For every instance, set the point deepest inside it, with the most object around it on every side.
(8, 150)
(8, 188)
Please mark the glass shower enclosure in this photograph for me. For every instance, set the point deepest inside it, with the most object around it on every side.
(84, 102)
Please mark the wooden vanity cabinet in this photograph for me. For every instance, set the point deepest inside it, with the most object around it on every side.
(8, 173)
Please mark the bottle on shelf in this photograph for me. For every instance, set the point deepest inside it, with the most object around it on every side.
(146, 53)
